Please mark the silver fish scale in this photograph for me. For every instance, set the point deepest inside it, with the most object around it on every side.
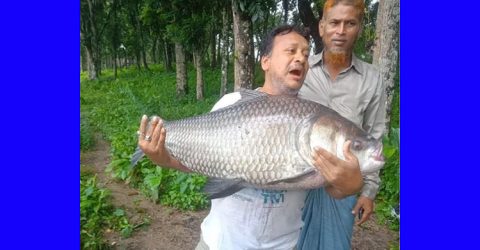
(250, 140)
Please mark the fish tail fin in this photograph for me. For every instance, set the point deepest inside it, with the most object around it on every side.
(219, 188)
(136, 157)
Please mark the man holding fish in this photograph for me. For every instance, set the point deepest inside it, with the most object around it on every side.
(353, 88)
(254, 218)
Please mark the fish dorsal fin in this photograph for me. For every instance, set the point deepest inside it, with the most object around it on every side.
(219, 188)
(238, 97)
(249, 94)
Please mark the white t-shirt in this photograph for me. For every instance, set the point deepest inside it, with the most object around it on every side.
(253, 218)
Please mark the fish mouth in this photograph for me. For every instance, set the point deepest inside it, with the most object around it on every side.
(377, 154)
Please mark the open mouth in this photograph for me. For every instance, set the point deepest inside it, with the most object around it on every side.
(378, 154)
(296, 72)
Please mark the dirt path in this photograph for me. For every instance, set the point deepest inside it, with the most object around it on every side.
(172, 229)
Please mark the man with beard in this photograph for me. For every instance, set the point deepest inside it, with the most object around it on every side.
(353, 88)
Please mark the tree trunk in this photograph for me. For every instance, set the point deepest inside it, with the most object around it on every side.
(138, 59)
(91, 43)
(165, 54)
(95, 50)
(124, 58)
(144, 58)
(135, 22)
(386, 49)
(170, 55)
(92, 73)
(82, 58)
(285, 10)
(310, 22)
(115, 63)
(154, 50)
(115, 38)
(225, 45)
(181, 70)
(219, 49)
(142, 44)
(198, 64)
(213, 48)
(242, 32)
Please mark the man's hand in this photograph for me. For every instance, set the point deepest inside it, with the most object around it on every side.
(343, 176)
(366, 204)
(152, 143)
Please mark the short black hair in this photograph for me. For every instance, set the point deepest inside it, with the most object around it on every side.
(267, 44)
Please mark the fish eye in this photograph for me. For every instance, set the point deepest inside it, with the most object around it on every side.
(357, 145)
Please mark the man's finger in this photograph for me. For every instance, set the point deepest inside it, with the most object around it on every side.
(151, 127)
(156, 133)
(161, 140)
(326, 155)
(364, 218)
(346, 150)
(323, 165)
(143, 126)
(356, 208)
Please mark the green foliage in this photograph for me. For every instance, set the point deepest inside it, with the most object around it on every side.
(115, 108)
(152, 179)
(364, 45)
(184, 192)
(256, 9)
(98, 215)
(395, 113)
(389, 195)
(86, 134)
(395, 245)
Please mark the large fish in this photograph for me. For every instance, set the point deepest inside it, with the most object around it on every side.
(265, 141)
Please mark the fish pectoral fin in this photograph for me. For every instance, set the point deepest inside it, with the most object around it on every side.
(249, 94)
(294, 178)
(219, 188)
(137, 156)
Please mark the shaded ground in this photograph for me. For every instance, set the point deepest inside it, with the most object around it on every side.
(171, 229)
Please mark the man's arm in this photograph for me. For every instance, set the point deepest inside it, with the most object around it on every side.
(374, 123)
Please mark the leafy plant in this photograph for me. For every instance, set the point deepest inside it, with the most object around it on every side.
(389, 195)
(98, 215)
(184, 192)
(86, 134)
